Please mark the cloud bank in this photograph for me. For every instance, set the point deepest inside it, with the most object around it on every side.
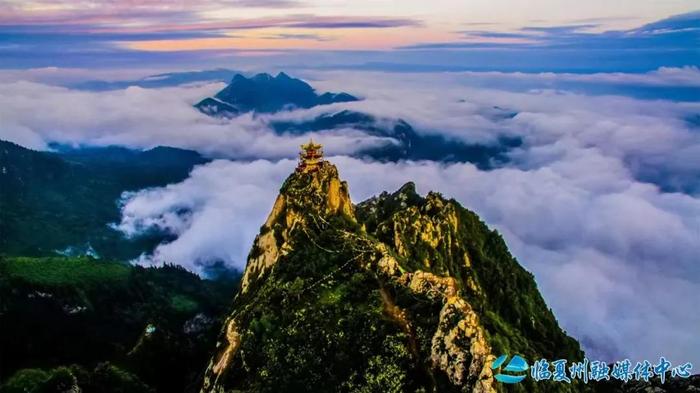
(656, 140)
(601, 201)
(35, 115)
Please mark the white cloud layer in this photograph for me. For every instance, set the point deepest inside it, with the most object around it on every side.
(651, 137)
(665, 76)
(34, 115)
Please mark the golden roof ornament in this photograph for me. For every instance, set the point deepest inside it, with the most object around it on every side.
(310, 157)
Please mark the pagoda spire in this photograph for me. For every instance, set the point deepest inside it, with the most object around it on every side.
(310, 157)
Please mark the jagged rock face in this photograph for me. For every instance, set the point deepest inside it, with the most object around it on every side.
(320, 192)
(385, 296)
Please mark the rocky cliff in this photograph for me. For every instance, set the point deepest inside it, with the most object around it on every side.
(399, 293)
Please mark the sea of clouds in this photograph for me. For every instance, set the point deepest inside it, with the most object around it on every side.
(601, 202)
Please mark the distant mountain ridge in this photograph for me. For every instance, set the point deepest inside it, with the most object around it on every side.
(403, 141)
(159, 80)
(264, 93)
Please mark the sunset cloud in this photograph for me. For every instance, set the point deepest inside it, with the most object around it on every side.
(217, 32)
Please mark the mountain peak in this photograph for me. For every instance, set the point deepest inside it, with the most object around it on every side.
(309, 195)
(263, 76)
(409, 189)
(265, 93)
(282, 75)
(320, 192)
(411, 291)
(238, 77)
